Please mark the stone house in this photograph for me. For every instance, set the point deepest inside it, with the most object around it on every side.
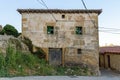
(110, 57)
(66, 36)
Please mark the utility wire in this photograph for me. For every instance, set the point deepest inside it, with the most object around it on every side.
(109, 28)
(41, 3)
(88, 12)
(94, 22)
(108, 32)
(45, 5)
(112, 30)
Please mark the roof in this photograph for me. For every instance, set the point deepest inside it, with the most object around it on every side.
(98, 11)
(110, 49)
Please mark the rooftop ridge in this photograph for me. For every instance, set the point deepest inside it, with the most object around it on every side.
(59, 10)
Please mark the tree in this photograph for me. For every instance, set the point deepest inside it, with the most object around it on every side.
(0, 27)
(9, 30)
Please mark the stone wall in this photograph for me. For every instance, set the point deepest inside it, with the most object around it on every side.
(101, 61)
(16, 43)
(114, 61)
(34, 26)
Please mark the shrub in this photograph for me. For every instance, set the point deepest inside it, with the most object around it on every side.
(9, 30)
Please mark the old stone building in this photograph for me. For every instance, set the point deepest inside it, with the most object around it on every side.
(110, 57)
(66, 36)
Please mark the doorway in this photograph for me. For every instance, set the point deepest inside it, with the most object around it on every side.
(55, 56)
(108, 57)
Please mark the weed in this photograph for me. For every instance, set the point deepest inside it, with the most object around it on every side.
(17, 63)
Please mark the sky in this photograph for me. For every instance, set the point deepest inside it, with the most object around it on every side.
(109, 18)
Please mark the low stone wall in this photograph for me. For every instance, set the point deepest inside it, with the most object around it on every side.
(10, 40)
(114, 61)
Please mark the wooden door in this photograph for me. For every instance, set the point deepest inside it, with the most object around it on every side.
(55, 56)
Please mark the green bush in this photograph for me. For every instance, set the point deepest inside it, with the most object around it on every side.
(9, 30)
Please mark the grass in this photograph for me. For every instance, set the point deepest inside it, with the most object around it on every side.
(17, 63)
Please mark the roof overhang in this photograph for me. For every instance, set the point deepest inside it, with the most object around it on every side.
(98, 11)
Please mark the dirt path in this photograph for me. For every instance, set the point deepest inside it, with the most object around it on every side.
(109, 73)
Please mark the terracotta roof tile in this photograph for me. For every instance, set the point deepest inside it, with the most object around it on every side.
(109, 49)
(59, 11)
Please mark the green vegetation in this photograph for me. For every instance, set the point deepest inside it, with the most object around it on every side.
(17, 63)
(9, 30)
(28, 42)
(39, 52)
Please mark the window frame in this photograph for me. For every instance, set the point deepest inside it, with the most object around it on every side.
(63, 16)
(79, 51)
(79, 28)
(50, 30)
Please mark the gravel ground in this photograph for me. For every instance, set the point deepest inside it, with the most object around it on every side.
(62, 78)
(105, 75)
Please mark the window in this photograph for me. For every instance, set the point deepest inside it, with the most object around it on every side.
(79, 51)
(50, 30)
(63, 16)
(78, 30)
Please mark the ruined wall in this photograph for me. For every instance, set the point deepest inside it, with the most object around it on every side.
(34, 26)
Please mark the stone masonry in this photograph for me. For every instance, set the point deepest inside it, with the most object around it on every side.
(34, 26)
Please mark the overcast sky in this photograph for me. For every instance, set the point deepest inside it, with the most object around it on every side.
(109, 18)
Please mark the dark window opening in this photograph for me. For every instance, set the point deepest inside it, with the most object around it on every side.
(50, 30)
(78, 30)
(63, 16)
(108, 56)
(79, 51)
